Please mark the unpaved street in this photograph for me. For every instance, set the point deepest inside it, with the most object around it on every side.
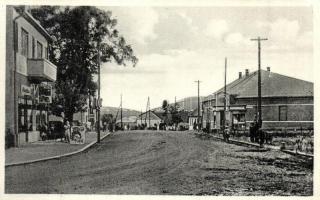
(151, 162)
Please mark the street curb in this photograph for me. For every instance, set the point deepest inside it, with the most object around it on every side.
(56, 157)
(298, 153)
(267, 147)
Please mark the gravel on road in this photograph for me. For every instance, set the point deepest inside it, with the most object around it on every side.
(166, 162)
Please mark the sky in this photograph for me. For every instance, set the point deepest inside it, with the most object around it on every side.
(177, 46)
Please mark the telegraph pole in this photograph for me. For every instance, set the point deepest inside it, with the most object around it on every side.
(198, 82)
(175, 103)
(149, 111)
(259, 113)
(225, 95)
(121, 112)
(98, 113)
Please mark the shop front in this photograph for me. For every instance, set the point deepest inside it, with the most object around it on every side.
(33, 105)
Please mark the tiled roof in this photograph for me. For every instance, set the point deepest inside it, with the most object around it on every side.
(272, 85)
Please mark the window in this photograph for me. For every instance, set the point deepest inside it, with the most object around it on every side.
(39, 49)
(46, 53)
(283, 113)
(33, 47)
(24, 42)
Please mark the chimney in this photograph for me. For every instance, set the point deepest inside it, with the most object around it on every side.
(247, 72)
(268, 69)
(26, 8)
(240, 75)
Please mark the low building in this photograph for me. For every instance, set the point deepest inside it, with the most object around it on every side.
(127, 122)
(194, 118)
(286, 102)
(29, 75)
(149, 119)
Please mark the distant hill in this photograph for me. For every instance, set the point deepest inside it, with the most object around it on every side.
(113, 110)
(188, 103)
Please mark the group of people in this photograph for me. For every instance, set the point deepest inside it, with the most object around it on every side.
(304, 144)
(45, 131)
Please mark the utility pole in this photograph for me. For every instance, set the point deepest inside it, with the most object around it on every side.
(98, 113)
(198, 82)
(259, 113)
(175, 112)
(121, 112)
(225, 96)
(149, 111)
(175, 103)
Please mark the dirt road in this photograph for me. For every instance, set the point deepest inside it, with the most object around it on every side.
(144, 162)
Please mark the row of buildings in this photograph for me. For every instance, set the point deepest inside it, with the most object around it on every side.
(287, 103)
(30, 79)
(29, 76)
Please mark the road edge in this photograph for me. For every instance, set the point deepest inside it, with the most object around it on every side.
(56, 157)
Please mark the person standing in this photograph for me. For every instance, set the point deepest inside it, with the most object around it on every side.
(67, 131)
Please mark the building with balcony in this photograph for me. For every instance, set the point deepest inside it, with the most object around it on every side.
(287, 103)
(29, 75)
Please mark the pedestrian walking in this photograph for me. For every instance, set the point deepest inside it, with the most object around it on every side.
(67, 131)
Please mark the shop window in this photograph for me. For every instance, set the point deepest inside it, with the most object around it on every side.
(24, 43)
(37, 120)
(283, 111)
(29, 113)
(21, 120)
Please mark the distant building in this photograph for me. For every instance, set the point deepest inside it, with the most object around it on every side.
(150, 119)
(286, 102)
(127, 122)
(29, 75)
(193, 119)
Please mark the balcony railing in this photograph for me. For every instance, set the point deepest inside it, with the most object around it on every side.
(41, 70)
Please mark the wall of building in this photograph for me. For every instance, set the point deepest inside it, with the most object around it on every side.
(299, 111)
(15, 59)
(9, 107)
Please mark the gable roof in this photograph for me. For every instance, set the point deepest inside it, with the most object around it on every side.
(272, 85)
(153, 116)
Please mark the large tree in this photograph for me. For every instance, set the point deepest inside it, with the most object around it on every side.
(80, 33)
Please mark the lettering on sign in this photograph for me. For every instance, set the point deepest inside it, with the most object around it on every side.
(25, 90)
(45, 94)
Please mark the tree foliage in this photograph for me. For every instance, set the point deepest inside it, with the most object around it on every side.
(108, 118)
(80, 33)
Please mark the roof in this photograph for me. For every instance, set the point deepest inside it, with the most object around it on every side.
(153, 116)
(272, 85)
(194, 113)
(35, 23)
(131, 119)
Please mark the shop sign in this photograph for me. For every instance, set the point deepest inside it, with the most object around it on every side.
(35, 93)
(238, 108)
(25, 90)
(45, 94)
(91, 116)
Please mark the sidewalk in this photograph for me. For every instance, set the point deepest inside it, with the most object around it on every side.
(267, 146)
(47, 149)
